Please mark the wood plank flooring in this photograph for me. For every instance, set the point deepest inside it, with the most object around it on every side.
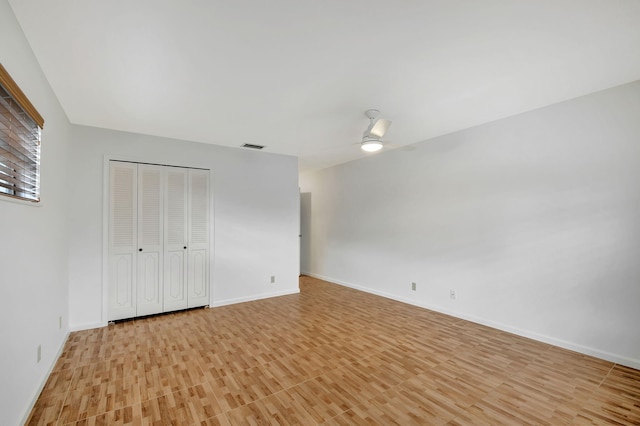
(329, 355)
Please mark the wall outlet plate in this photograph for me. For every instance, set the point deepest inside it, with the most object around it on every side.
(413, 286)
(452, 294)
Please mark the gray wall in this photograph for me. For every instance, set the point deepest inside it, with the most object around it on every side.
(533, 220)
(33, 243)
(255, 216)
(51, 253)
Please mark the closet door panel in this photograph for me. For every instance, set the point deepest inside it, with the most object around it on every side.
(122, 240)
(158, 239)
(150, 241)
(175, 239)
(198, 238)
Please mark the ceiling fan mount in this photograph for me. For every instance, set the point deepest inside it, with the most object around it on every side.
(372, 113)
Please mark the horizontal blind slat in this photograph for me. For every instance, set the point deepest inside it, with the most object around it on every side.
(11, 121)
(8, 125)
(17, 183)
(12, 143)
(17, 189)
(12, 109)
(18, 175)
(9, 158)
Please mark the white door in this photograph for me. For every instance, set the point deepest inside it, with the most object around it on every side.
(175, 239)
(150, 241)
(305, 232)
(198, 239)
(122, 240)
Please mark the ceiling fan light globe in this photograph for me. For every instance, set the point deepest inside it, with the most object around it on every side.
(371, 146)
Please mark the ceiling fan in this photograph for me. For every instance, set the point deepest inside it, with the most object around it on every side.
(372, 137)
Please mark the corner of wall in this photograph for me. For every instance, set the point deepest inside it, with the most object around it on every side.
(43, 381)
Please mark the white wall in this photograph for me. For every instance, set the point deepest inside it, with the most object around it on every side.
(533, 220)
(33, 244)
(255, 216)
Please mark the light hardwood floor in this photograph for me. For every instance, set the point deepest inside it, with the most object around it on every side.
(328, 355)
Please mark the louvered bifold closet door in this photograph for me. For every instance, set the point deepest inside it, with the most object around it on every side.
(150, 239)
(198, 238)
(122, 240)
(175, 239)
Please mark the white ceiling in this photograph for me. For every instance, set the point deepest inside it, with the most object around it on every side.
(297, 75)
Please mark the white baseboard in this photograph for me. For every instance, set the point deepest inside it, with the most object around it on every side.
(225, 302)
(607, 356)
(43, 381)
(90, 325)
(86, 326)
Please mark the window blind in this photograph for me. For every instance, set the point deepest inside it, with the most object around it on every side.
(20, 127)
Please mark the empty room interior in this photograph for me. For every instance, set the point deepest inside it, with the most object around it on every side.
(421, 212)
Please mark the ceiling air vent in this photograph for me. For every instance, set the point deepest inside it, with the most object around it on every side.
(252, 146)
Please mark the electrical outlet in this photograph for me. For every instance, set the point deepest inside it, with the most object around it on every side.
(452, 294)
(39, 356)
(273, 279)
(60, 322)
(413, 286)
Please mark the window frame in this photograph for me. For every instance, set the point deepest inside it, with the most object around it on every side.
(18, 96)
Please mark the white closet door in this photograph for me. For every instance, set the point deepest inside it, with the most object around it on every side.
(175, 239)
(122, 240)
(150, 241)
(198, 238)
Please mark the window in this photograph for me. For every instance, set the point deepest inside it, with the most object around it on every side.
(20, 126)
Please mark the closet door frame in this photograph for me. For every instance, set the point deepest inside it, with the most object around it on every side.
(151, 159)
